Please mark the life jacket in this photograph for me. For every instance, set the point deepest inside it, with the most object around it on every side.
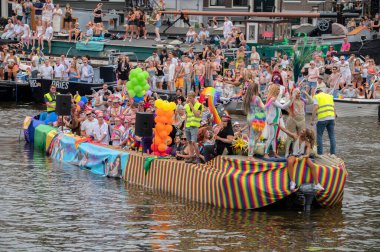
(191, 119)
(325, 105)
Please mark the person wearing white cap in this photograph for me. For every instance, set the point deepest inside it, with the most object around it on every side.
(313, 74)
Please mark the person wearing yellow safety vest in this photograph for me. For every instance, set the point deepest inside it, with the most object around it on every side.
(193, 110)
(50, 99)
(324, 111)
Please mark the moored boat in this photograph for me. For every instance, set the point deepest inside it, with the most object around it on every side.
(352, 107)
(39, 87)
(227, 181)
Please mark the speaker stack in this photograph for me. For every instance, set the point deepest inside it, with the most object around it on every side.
(144, 124)
(63, 105)
(107, 73)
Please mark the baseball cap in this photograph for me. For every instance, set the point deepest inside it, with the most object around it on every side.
(342, 57)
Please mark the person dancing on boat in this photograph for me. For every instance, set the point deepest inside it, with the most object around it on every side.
(255, 110)
(273, 108)
(302, 145)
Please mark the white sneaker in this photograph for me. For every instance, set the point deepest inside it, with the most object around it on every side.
(333, 156)
(318, 187)
(292, 185)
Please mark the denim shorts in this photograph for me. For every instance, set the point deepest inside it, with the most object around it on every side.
(191, 134)
(311, 84)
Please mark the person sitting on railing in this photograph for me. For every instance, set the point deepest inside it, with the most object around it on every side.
(49, 35)
(204, 35)
(9, 31)
(75, 32)
(87, 36)
(191, 36)
(303, 143)
(349, 91)
(18, 30)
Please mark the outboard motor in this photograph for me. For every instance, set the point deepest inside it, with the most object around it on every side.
(309, 193)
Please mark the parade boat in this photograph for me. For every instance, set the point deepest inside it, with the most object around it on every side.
(231, 182)
(39, 87)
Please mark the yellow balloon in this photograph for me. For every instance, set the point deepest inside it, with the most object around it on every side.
(172, 106)
(77, 98)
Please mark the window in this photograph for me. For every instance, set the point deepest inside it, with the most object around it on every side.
(217, 2)
(240, 3)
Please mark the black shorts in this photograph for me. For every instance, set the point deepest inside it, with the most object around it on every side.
(68, 19)
(97, 20)
(142, 24)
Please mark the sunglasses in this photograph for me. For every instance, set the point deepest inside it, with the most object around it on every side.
(224, 120)
(184, 139)
(89, 115)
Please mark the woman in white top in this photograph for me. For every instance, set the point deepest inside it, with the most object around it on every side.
(303, 143)
(48, 36)
(57, 18)
(26, 36)
(8, 30)
(39, 35)
(47, 13)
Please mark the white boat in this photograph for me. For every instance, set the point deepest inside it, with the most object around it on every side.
(354, 107)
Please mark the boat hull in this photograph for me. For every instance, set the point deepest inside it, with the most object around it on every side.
(227, 181)
(39, 87)
(14, 91)
(357, 107)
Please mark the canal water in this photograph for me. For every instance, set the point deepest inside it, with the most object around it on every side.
(50, 206)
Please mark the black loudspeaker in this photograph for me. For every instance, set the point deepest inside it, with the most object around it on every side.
(63, 105)
(107, 74)
(144, 124)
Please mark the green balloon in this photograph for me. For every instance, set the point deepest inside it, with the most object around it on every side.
(137, 89)
(132, 93)
(146, 87)
(134, 82)
(140, 77)
(138, 70)
(141, 93)
(129, 85)
(146, 74)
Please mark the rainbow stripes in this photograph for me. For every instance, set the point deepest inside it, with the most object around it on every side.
(232, 183)
(212, 100)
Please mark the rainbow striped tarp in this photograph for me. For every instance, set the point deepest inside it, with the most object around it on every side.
(225, 182)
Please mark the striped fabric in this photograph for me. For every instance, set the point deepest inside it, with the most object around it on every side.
(232, 183)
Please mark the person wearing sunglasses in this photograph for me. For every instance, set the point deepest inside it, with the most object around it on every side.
(90, 125)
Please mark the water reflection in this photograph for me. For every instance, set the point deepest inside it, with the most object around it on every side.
(48, 205)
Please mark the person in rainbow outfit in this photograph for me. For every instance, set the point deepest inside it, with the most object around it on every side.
(255, 110)
(273, 108)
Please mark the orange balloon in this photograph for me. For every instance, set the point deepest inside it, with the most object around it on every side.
(168, 141)
(157, 119)
(160, 112)
(163, 134)
(162, 147)
(157, 140)
(168, 128)
(160, 127)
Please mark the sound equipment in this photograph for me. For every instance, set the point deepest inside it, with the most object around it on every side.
(107, 73)
(144, 124)
(63, 105)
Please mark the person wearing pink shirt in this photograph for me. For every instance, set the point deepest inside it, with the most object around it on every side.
(313, 74)
(345, 45)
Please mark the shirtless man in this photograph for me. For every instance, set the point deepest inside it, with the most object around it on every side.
(199, 75)
(188, 70)
(214, 68)
(178, 76)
